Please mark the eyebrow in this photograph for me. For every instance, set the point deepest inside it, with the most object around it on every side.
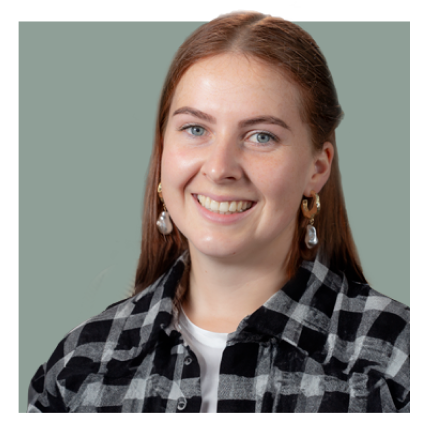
(244, 123)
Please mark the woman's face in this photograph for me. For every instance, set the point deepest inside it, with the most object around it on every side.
(235, 140)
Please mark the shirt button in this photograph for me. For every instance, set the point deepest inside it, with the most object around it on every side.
(188, 361)
(181, 403)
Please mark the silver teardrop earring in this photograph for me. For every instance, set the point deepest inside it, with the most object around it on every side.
(164, 222)
(311, 236)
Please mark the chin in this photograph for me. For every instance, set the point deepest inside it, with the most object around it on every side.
(214, 248)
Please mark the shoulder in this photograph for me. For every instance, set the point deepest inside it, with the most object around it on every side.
(355, 310)
(363, 315)
(91, 335)
(117, 326)
(373, 314)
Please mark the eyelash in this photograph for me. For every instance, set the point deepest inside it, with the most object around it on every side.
(271, 135)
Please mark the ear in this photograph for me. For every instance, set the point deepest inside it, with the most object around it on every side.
(321, 169)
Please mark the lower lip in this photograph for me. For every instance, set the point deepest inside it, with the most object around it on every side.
(221, 218)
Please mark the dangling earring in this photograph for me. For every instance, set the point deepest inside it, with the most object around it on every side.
(311, 237)
(164, 223)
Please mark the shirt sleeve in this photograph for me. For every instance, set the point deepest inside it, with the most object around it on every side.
(382, 355)
(399, 372)
(73, 366)
(43, 394)
(53, 386)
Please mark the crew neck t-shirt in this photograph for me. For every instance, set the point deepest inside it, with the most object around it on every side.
(208, 348)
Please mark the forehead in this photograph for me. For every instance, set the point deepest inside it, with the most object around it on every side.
(235, 80)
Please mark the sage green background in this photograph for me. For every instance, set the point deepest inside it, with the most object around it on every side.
(88, 99)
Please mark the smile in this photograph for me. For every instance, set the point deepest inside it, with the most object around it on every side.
(232, 207)
(222, 217)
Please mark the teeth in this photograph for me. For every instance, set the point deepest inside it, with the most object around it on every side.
(223, 207)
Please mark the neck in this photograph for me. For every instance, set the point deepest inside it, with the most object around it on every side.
(222, 291)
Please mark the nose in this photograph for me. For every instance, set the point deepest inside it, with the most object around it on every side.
(222, 163)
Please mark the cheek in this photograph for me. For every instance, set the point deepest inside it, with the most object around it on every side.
(178, 166)
(175, 162)
(281, 178)
(167, 165)
(278, 172)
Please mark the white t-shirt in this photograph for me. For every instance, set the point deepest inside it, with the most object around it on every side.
(208, 348)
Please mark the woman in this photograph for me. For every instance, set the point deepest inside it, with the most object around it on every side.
(249, 293)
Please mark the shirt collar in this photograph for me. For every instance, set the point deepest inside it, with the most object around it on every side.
(299, 313)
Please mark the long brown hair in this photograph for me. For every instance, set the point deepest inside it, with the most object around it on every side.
(293, 52)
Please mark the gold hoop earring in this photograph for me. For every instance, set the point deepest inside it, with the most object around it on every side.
(311, 235)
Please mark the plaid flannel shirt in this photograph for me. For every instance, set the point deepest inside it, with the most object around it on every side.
(320, 344)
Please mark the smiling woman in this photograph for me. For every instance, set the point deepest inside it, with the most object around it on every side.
(249, 293)
(237, 156)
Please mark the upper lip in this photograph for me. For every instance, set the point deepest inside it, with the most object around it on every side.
(220, 198)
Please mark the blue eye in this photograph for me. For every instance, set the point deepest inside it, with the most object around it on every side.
(263, 137)
(197, 133)
(195, 130)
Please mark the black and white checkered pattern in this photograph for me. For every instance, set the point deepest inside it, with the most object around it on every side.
(320, 344)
